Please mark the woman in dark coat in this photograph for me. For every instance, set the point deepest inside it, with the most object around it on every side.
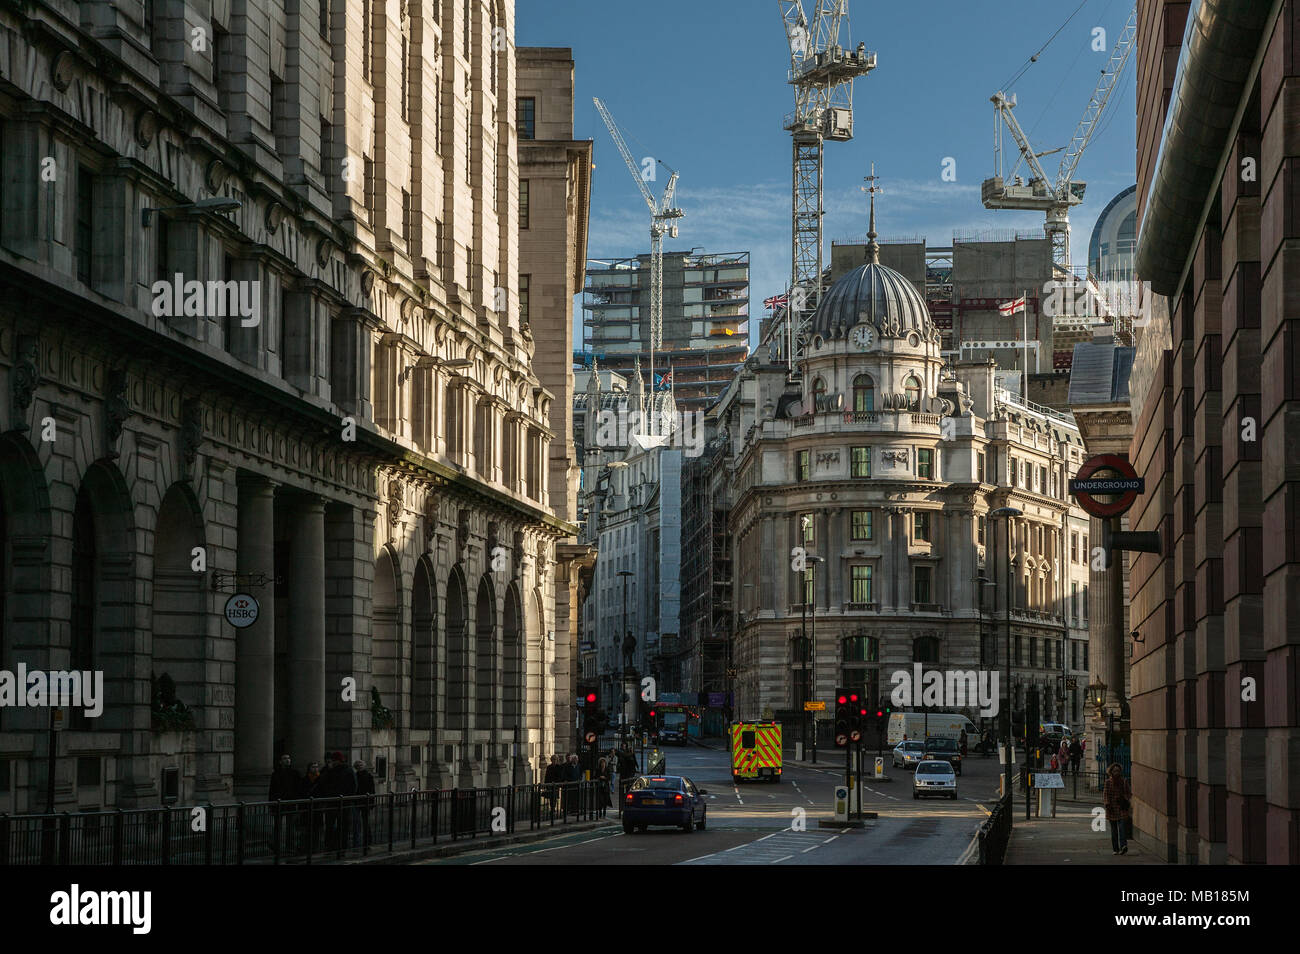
(1117, 799)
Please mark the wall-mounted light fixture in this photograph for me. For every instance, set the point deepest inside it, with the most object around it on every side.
(215, 204)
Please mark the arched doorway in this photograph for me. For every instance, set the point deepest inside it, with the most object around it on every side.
(424, 668)
(512, 665)
(485, 656)
(457, 653)
(385, 644)
(179, 604)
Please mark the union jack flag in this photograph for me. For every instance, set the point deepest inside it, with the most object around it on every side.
(775, 300)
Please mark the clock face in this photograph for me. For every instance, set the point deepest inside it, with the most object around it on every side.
(863, 337)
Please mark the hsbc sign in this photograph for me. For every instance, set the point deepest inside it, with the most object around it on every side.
(241, 610)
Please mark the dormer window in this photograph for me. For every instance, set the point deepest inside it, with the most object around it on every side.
(864, 393)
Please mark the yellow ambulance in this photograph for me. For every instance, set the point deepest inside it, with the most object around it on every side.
(756, 751)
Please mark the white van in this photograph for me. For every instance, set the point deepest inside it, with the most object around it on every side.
(939, 725)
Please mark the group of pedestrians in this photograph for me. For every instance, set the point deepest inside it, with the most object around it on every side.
(332, 824)
(1069, 754)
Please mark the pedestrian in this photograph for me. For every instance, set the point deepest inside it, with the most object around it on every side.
(572, 776)
(361, 814)
(603, 777)
(1063, 754)
(1117, 799)
(286, 785)
(1076, 756)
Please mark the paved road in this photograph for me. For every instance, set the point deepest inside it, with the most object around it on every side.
(761, 824)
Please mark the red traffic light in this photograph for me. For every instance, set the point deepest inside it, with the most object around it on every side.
(591, 697)
(652, 713)
(841, 700)
(879, 714)
(853, 697)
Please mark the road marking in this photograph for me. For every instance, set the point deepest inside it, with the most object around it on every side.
(779, 860)
(813, 848)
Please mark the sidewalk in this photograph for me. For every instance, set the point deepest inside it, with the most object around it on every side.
(1069, 837)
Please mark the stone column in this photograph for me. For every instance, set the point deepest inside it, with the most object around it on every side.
(307, 631)
(255, 644)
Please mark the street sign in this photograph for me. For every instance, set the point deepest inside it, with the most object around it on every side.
(591, 736)
(241, 610)
(1125, 482)
(1071, 683)
(814, 707)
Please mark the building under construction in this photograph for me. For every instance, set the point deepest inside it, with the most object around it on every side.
(705, 321)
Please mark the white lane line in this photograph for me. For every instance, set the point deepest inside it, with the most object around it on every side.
(779, 860)
(773, 835)
(541, 850)
(737, 791)
(813, 848)
(830, 839)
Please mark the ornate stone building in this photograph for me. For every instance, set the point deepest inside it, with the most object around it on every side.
(882, 463)
(259, 332)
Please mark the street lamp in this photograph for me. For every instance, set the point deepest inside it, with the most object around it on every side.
(1009, 513)
(624, 574)
(980, 583)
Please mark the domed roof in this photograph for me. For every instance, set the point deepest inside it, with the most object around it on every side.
(877, 294)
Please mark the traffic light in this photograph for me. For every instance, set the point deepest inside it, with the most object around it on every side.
(590, 723)
(843, 717)
(855, 716)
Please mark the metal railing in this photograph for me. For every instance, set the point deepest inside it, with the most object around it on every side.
(995, 832)
(292, 832)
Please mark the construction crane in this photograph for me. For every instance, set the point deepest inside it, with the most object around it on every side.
(1053, 196)
(663, 221)
(822, 73)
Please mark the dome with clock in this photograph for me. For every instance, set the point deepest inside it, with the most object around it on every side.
(876, 294)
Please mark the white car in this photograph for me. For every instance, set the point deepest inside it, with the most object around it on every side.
(908, 754)
(934, 777)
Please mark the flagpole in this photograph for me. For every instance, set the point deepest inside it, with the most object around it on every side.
(1024, 365)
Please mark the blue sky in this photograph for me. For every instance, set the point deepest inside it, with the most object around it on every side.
(701, 85)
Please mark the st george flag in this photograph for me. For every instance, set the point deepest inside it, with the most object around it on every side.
(1009, 308)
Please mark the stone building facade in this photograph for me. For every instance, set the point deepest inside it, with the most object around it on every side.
(342, 420)
(884, 465)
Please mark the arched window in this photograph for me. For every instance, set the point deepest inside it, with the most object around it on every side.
(818, 394)
(913, 389)
(864, 393)
(860, 649)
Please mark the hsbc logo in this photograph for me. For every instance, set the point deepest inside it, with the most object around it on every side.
(242, 610)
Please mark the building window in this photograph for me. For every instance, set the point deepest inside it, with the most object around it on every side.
(523, 203)
(523, 299)
(526, 117)
(921, 579)
(925, 463)
(807, 529)
(808, 585)
(803, 465)
(1085, 554)
(406, 79)
(1074, 548)
(818, 395)
(861, 581)
(85, 205)
(913, 389)
(1033, 652)
(925, 649)
(861, 461)
(467, 30)
(864, 393)
(980, 530)
(368, 187)
(861, 528)
(979, 467)
(860, 648)
(1015, 644)
(921, 530)
(324, 19)
(365, 40)
(407, 217)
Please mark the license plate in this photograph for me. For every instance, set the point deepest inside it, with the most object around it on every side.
(651, 801)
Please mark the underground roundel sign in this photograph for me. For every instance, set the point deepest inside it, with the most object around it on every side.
(1107, 475)
(241, 610)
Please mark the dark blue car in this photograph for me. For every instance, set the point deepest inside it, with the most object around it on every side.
(663, 800)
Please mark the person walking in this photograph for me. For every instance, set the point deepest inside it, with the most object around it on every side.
(1076, 756)
(604, 777)
(1117, 799)
(1063, 754)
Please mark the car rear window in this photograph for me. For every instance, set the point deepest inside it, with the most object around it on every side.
(747, 739)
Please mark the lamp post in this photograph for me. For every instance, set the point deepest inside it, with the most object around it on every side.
(1008, 513)
(624, 574)
(1097, 694)
(980, 583)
